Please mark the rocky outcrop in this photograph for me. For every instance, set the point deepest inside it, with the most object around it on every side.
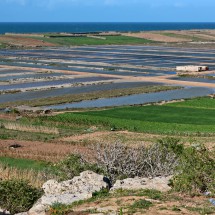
(66, 192)
(158, 183)
(82, 187)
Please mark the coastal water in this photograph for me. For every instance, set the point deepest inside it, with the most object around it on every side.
(97, 27)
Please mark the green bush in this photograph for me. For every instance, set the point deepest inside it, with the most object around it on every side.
(17, 195)
(195, 173)
(72, 166)
(172, 144)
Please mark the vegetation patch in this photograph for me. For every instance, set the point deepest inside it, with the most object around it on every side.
(107, 40)
(24, 164)
(17, 195)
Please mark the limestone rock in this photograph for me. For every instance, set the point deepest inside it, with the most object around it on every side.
(38, 209)
(66, 192)
(158, 183)
(85, 184)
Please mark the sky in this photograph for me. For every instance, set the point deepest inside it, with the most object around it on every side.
(107, 10)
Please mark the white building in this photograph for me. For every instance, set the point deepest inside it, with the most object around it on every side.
(192, 68)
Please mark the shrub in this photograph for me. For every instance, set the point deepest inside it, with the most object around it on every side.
(172, 144)
(195, 172)
(72, 166)
(17, 195)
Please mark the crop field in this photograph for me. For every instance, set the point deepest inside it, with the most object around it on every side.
(195, 116)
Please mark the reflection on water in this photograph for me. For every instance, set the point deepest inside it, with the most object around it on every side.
(138, 99)
(30, 95)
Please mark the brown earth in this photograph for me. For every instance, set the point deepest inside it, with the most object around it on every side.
(157, 37)
(21, 41)
(41, 150)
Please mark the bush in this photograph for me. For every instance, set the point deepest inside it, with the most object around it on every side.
(121, 161)
(195, 173)
(172, 144)
(17, 195)
(72, 166)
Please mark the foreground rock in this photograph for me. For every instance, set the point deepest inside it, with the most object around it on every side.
(66, 192)
(158, 183)
(3, 212)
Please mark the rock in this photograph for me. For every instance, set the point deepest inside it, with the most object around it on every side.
(158, 183)
(66, 192)
(85, 184)
(38, 209)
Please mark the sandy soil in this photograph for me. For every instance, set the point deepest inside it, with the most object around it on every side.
(21, 41)
(157, 37)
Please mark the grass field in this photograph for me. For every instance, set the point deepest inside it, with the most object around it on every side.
(192, 116)
(24, 164)
(108, 40)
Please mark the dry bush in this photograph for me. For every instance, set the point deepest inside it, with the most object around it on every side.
(121, 161)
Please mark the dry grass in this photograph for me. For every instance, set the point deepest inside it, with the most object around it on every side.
(36, 179)
(41, 151)
(30, 128)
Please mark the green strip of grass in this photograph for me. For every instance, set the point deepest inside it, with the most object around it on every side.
(108, 40)
(23, 164)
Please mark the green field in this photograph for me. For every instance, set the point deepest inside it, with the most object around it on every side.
(108, 40)
(192, 116)
(23, 163)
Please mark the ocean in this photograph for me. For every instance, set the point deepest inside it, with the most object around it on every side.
(44, 27)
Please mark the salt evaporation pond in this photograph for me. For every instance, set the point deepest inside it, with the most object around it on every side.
(137, 99)
(30, 95)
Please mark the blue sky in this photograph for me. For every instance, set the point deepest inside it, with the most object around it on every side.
(107, 10)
